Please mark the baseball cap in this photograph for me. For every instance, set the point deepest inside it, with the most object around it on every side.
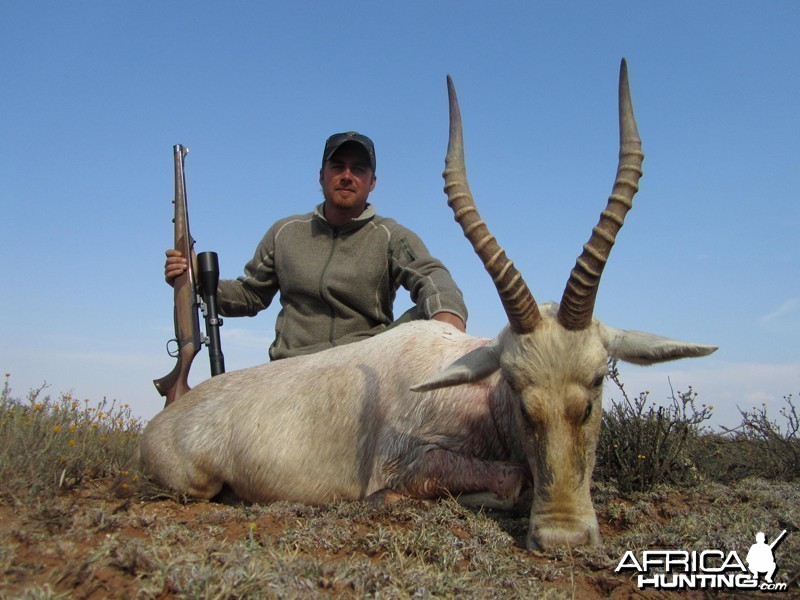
(337, 139)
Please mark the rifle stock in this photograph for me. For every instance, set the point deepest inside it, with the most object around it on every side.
(187, 323)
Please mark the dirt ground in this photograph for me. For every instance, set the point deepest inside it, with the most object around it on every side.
(86, 543)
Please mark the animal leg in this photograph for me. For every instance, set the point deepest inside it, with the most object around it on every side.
(486, 482)
(486, 500)
(387, 496)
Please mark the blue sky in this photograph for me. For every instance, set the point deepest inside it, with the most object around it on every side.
(95, 94)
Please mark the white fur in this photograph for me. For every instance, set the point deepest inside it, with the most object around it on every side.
(361, 418)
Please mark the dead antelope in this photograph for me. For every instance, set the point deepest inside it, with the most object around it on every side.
(423, 409)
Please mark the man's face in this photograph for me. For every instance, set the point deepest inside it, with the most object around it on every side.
(347, 178)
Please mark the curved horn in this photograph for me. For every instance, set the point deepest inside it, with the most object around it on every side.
(577, 303)
(521, 309)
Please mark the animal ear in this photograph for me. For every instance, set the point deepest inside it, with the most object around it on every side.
(642, 348)
(473, 366)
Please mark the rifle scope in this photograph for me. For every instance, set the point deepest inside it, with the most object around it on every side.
(208, 267)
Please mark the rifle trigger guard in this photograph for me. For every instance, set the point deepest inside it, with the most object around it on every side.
(177, 349)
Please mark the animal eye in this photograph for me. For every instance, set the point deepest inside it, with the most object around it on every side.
(598, 382)
(511, 382)
(588, 412)
(527, 418)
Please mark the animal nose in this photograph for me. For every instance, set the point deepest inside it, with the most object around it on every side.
(545, 536)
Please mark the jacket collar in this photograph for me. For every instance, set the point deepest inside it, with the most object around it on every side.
(361, 220)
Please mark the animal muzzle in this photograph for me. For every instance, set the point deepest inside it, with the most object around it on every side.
(550, 531)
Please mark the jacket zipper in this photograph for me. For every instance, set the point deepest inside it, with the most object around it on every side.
(334, 238)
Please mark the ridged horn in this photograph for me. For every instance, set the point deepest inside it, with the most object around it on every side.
(577, 303)
(521, 309)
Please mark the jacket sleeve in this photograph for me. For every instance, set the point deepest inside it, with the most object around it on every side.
(428, 281)
(247, 295)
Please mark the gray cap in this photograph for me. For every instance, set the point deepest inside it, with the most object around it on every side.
(337, 139)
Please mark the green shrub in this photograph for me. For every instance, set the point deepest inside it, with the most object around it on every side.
(46, 445)
(642, 445)
(758, 447)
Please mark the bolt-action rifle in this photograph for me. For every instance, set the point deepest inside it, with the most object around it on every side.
(189, 297)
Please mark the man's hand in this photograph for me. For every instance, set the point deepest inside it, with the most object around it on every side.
(176, 264)
(452, 319)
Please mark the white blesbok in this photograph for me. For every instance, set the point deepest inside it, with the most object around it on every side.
(424, 410)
